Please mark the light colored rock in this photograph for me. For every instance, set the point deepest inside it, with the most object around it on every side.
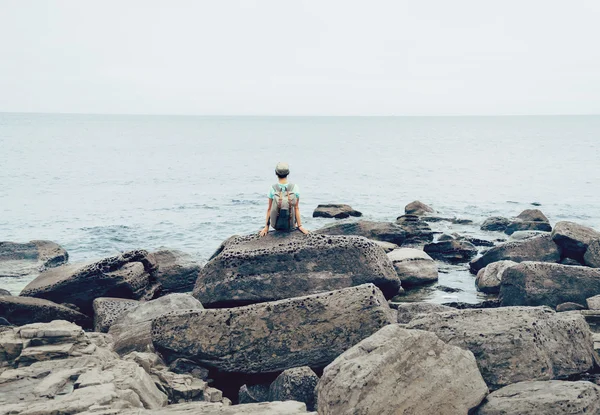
(593, 303)
(205, 408)
(268, 337)
(523, 235)
(177, 271)
(408, 311)
(413, 266)
(592, 254)
(28, 259)
(573, 239)
(185, 388)
(107, 310)
(489, 278)
(552, 397)
(513, 344)
(296, 384)
(569, 307)
(386, 246)
(399, 371)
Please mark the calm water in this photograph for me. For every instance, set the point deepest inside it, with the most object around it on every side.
(101, 184)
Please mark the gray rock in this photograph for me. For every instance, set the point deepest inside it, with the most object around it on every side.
(206, 408)
(513, 344)
(413, 266)
(131, 275)
(399, 371)
(380, 231)
(335, 211)
(107, 310)
(532, 215)
(386, 246)
(132, 330)
(518, 225)
(539, 248)
(573, 239)
(418, 208)
(4, 292)
(183, 366)
(542, 283)
(554, 397)
(593, 303)
(252, 269)
(570, 261)
(454, 251)
(495, 223)
(569, 307)
(296, 384)
(254, 393)
(592, 254)
(522, 235)
(417, 230)
(489, 278)
(268, 337)
(177, 271)
(408, 311)
(27, 310)
(28, 259)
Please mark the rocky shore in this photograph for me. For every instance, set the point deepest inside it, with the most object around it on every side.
(328, 323)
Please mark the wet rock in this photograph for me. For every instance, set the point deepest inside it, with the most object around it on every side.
(107, 310)
(132, 330)
(539, 248)
(252, 269)
(445, 237)
(268, 337)
(593, 303)
(254, 393)
(569, 307)
(177, 271)
(592, 254)
(518, 225)
(489, 278)
(554, 397)
(478, 241)
(455, 221)
(542, 283)
(532, 215)
(296, 384)
(513, 344)
(454, 251)
(27, 310)
(408, 311)
(573, 239)
(4, 292)
(335, 211)
(380, 231)
(413, 266)
(418, 208)
(28, 259)
(399, 371)
(130, 275)
(495, 223)
(417, 231)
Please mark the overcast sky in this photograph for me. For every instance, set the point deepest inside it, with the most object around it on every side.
(322, 57)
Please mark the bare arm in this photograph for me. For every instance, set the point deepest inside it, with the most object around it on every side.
(264, 231)
(299, 218)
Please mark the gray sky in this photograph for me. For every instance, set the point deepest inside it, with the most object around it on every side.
(322, 57)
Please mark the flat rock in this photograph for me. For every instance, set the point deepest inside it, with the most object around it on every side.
(514, 344)
(593, 303)
(489, 278)
(553, 397)
(409, 311)
(26, 310)
(206, 408)
(522, 235)
(542, 283)
(251, 269)
(296, 384)
(177, 271)
(399, 371)
(337, 211)
(130, 275)
(28, 259)
(495, 223)
(453, 251)
(569, 307)
(573, 239)
(269, 337)
(413, 266)
(539, 248)
(591, 257)
(380, 231)
(108, 309)
(418, 208)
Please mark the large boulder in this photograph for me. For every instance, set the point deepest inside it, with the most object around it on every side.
(399, 371)
(251, 269)
(514, 344)
(413, 266)
(573, 239)
(418, 208)
(453, 251)
(177, 271)
(131, 330)
(335, 211)
(130, 275)
(489, 278)
(532, 215)
(296, 384)
(27, 310)
(542, 283)
(539, 248)
(417, 230)
(409, 311)
(108, 309)
(28, 259)
(380, 231)
(592, 254)
(553, 397)
(269, 337)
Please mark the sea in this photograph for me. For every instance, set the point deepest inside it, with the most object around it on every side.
(103, 184)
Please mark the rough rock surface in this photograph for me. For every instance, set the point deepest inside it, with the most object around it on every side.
(335, 211)
(542, 283)
(569, 307)
(522, 235)
(413, 266)
(177, 271)
(408, 311)
(380, 231)
(454, 251)
(593, 303)
(539, 248)
(489, 278)
(296, 384)
(251, 269)
(130, 275)
(573, 239)
(206, 408)
(554, 397)
(514, 344)
(27, 310)
(518, 225)
(26, 259)
(532, 215)
(418, 208)
(399, 371)
(108, 309)
(132, 330)
(495, 223)
(254, 393)
(417, 230)
(592, 254)
(386, 246)
(268, 337)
